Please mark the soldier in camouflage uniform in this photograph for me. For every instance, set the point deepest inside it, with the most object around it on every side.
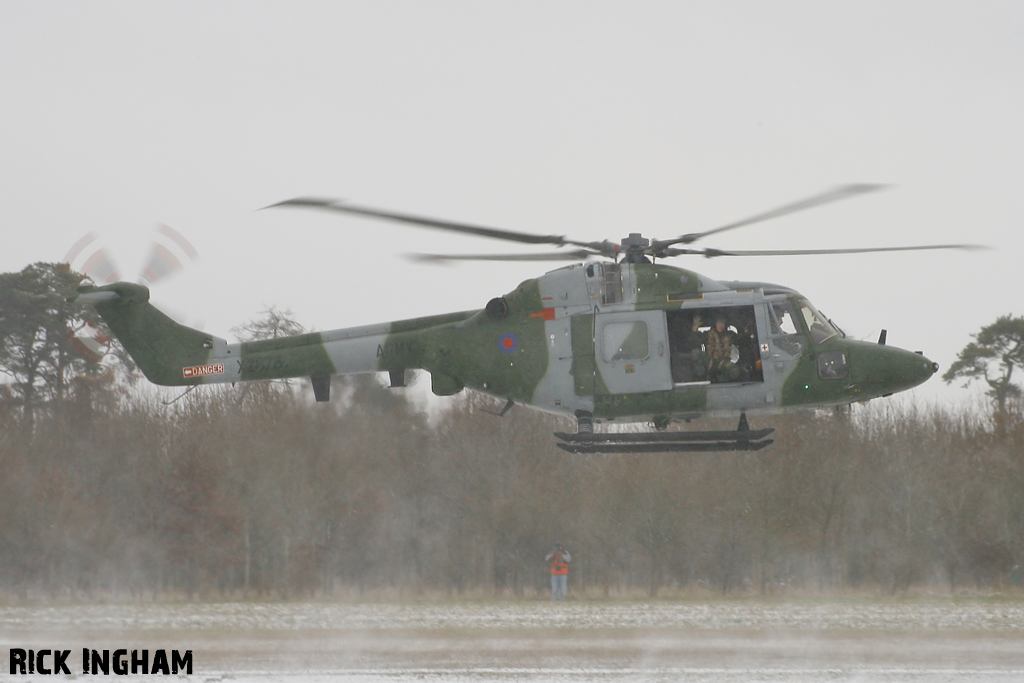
(720, 346)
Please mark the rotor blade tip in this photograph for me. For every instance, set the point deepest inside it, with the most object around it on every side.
(427, 258)
(868, 187)
(316, 202)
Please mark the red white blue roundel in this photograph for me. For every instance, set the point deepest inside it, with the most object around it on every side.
(508, 342)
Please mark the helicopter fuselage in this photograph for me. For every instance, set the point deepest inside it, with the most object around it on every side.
(629, 342)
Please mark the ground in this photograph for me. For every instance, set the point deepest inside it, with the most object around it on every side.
(928, 639)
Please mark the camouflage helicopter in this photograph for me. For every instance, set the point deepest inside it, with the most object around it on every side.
(613, 338)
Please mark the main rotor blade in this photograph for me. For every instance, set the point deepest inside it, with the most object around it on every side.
(712, 253)
(833, 195)
(575, 255)
(482, 231)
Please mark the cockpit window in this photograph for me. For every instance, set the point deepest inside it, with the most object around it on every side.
(818, 325)
(785, 333)
(783, 321)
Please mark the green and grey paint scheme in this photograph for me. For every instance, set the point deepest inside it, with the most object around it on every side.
(540, 345)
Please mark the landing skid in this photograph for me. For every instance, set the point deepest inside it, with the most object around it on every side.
(743, 439)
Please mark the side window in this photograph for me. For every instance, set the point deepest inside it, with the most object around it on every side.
(833, 365)
(624, 341)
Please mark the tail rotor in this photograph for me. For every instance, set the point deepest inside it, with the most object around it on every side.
(169, 254)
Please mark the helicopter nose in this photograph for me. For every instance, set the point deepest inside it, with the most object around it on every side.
(914, 368)
(883, 370)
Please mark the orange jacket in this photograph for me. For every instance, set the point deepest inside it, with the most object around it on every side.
(559, 563)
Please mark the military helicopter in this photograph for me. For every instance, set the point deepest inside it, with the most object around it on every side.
(615, 337)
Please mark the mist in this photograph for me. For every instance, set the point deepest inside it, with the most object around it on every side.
(257, 491)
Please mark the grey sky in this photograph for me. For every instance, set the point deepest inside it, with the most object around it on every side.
(591, 119)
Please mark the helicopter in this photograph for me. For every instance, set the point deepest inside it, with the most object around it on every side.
(616, 337)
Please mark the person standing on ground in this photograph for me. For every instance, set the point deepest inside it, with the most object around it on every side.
(559, 561)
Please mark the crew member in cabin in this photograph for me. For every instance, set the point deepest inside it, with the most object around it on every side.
(720, 345)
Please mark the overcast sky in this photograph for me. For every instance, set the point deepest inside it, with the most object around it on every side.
(590, 119)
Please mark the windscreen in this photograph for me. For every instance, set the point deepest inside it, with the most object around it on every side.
(817, 324)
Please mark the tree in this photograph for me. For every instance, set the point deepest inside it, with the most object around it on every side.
(993, 355)
(271, 324)
(647, 504)
(37, 326)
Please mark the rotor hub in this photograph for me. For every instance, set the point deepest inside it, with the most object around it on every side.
(635, 248)
(635, 241)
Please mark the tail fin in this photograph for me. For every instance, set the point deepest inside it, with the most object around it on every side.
(158, 345)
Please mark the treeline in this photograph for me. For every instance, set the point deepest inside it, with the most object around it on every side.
(257, 491)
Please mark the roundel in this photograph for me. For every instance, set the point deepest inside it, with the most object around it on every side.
(508, 342)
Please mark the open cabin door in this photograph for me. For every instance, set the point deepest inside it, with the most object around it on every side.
(631, 351)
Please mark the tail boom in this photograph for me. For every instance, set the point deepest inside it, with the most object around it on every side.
(171, 354)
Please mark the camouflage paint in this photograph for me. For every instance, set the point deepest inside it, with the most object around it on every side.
(160, 347)
(688, 401)
(504, 358)
(584, 369)
(875, 370)
(541, 352)
(660, 287)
